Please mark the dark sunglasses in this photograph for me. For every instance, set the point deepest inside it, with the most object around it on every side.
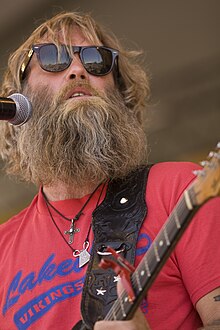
(97, 60)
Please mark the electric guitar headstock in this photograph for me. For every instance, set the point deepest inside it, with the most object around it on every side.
(207, 183)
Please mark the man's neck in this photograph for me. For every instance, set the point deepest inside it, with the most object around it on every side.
(60, 191)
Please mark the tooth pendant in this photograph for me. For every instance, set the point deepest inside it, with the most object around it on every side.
(83, 254)
(84, 257)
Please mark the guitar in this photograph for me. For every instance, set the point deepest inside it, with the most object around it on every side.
(205, 186)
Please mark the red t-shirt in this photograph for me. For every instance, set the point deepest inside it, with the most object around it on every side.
(41, 282)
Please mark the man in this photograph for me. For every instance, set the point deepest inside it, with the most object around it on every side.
(88, 96)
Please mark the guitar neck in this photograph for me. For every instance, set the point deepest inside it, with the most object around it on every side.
(154, 259)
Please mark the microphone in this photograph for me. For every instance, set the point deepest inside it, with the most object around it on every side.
(15, 108)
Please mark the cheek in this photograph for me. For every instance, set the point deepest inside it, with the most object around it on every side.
(102, 83)
(38, 78)
(110, 80)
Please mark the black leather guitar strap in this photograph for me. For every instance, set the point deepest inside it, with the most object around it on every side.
(116, 222)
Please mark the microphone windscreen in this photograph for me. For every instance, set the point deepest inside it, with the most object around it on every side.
(23, 109)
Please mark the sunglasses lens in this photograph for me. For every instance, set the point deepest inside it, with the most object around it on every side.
(97, 60)
(53, 60)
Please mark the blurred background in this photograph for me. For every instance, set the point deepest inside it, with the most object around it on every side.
(180, 40)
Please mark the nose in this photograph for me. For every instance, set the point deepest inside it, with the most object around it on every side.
(76, 69)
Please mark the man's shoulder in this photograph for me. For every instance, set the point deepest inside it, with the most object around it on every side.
(11, 226)
(15, 219)
(175, 166)
(174, 170)
(14, 222)
(169, 179)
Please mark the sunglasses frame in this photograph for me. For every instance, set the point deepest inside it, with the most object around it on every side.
(76, 49)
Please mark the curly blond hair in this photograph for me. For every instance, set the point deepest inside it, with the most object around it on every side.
(133, 84)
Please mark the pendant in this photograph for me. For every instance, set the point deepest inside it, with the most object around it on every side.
(83, 254)
(71, 231)
(84, 257)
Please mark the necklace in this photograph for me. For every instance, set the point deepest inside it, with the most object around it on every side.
(72, 229)
(83, 254)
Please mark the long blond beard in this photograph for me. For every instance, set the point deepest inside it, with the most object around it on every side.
(80, 140)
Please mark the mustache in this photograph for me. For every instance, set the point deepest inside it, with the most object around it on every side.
(69, 87)
(53, 100)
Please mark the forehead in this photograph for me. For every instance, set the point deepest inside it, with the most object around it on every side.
(72, 36)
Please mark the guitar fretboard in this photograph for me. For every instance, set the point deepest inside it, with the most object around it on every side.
(155, 258)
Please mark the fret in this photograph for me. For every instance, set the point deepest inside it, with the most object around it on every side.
(147, 266)
(156, 251)
(176, 218)
(122, 307)
(166, 235)
(188, 200)
(138, 281)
